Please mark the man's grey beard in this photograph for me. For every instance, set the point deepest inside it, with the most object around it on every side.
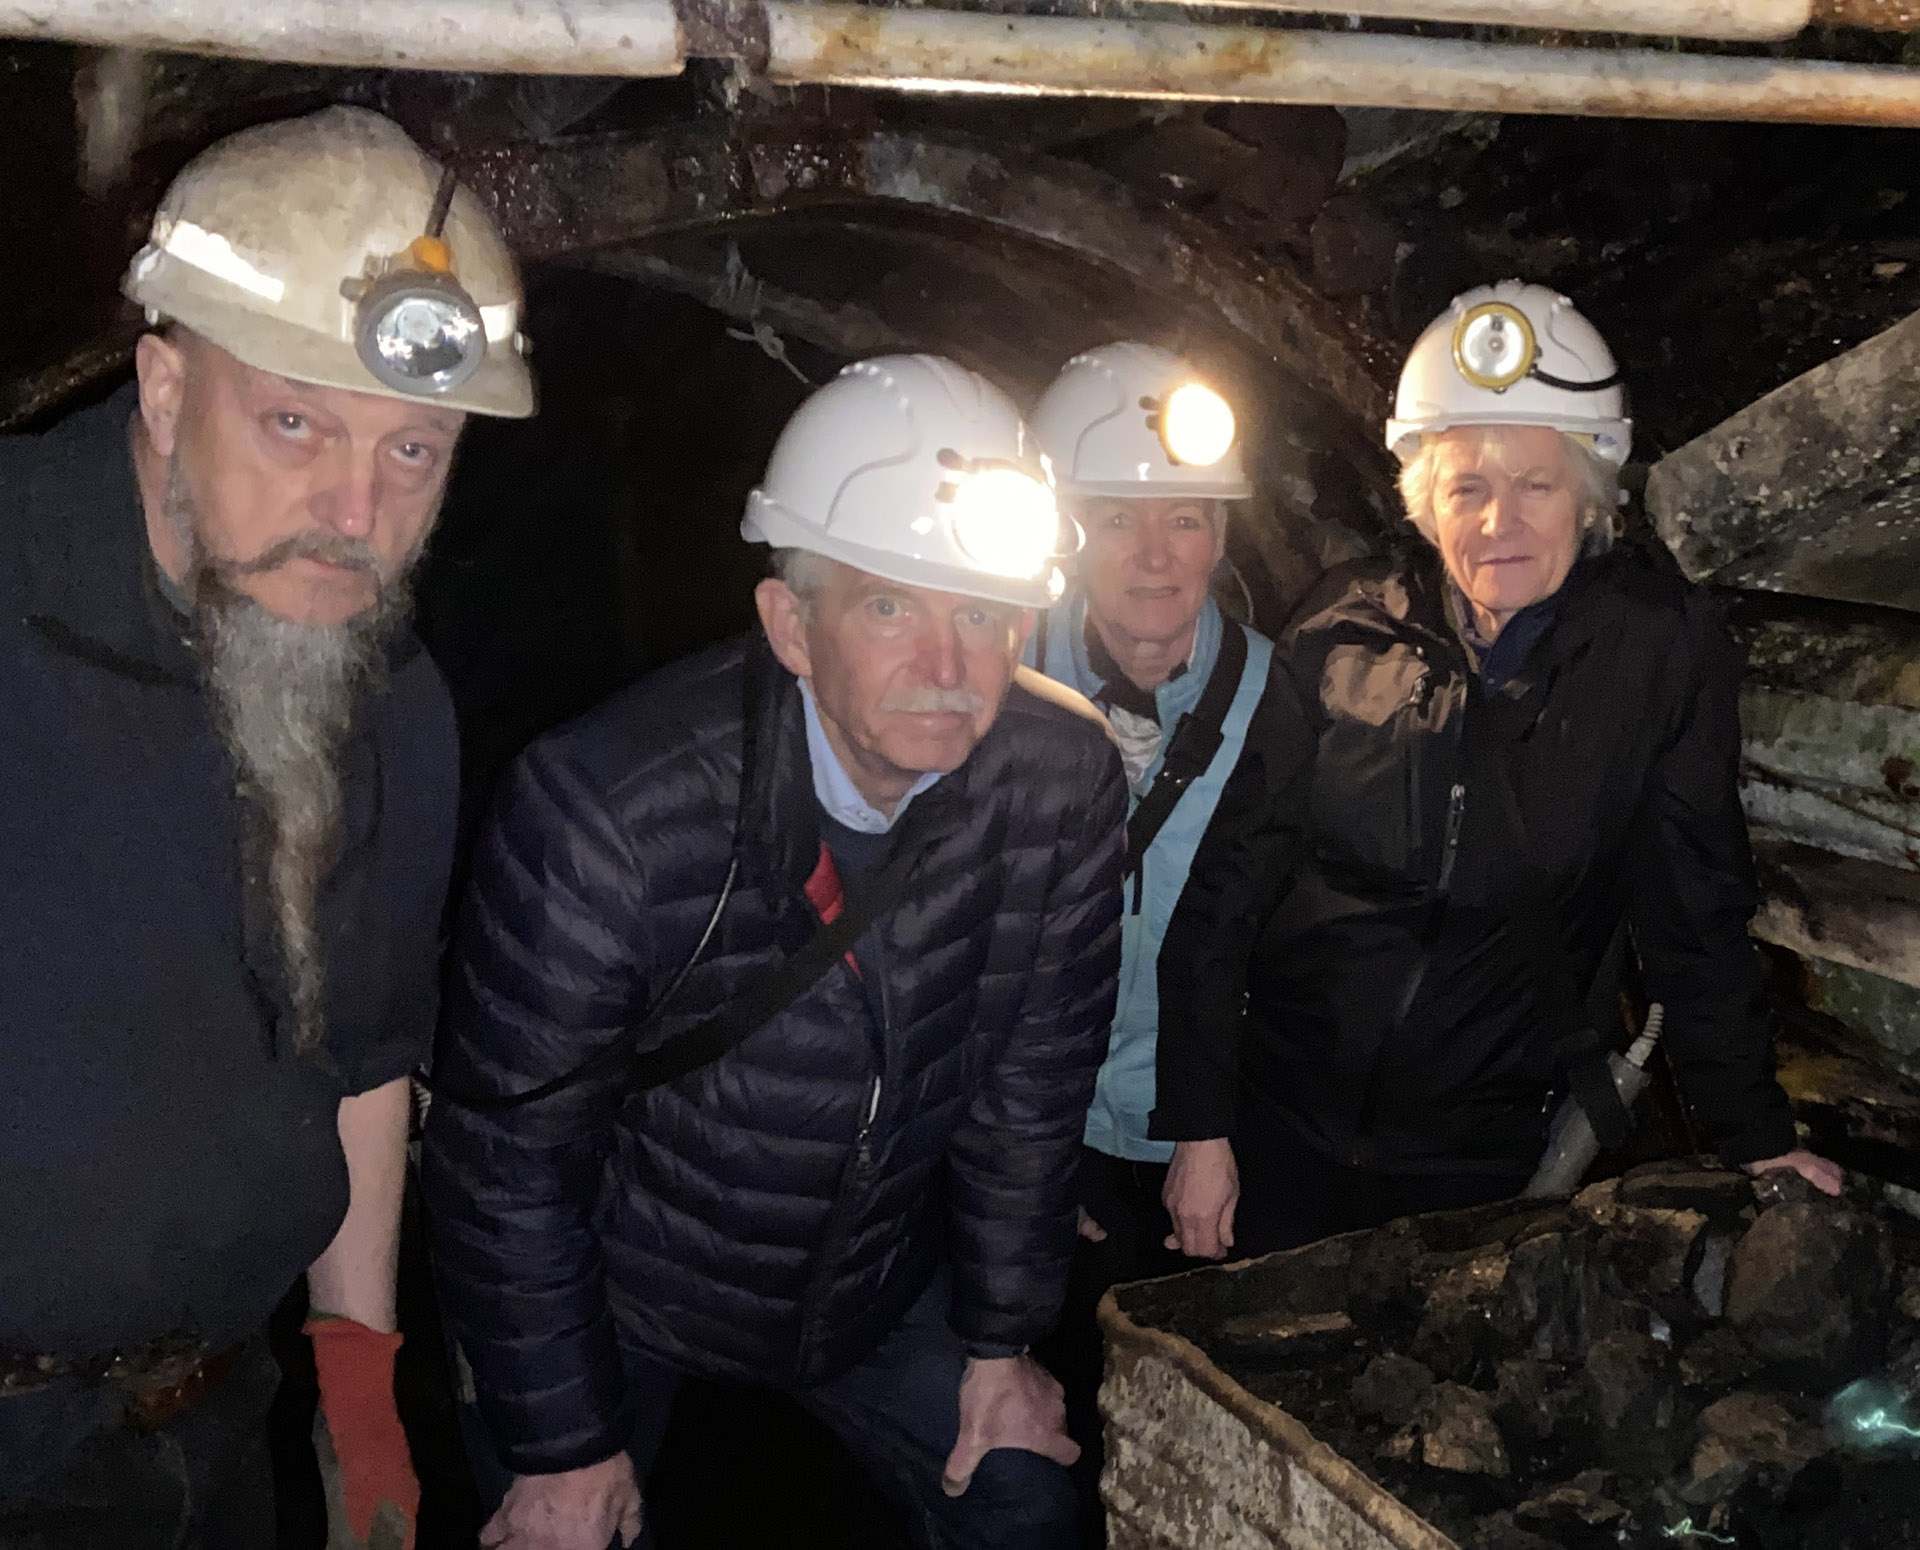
(283, 697)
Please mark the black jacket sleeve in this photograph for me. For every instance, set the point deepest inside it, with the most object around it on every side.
(1694, 892)
(1013, 1160)
(1244, 867)
(545, 975)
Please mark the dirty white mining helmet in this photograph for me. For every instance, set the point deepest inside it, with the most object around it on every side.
(331, 250)
(1511, 354)
(1133, 421)
(916, 469)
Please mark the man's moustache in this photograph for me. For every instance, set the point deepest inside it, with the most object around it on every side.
(927, 702)
(327, 548)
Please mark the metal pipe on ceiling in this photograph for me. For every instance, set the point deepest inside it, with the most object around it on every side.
(1725, 21)
(1730, 21)
(1045, 56)
(564, 37)
(934, 51)
(1874, 15)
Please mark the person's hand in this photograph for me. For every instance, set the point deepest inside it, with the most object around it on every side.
(1824, 1176)
(1087, 1227)
(1202, 1189)
(370, 1474)
(1007, 1402)
(579, 1509)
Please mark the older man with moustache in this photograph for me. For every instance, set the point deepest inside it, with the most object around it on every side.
(227, 794)
(778, 1001)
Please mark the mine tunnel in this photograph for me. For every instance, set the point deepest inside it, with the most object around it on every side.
(704, 251)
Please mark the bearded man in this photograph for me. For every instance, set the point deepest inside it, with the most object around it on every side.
(227, 794)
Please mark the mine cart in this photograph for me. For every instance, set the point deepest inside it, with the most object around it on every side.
(1679, 1356)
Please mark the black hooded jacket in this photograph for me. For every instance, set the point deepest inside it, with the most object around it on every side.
(168, 1165)
(771, 1216)
(1346, 944)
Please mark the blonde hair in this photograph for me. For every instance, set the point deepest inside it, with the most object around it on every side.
(1596, 487)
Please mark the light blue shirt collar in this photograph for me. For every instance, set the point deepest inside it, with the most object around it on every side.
(833, 787)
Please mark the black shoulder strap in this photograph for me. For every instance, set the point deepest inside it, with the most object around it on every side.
(1196, 739)
(1535, 919)
(713, 1036)
(771, 995)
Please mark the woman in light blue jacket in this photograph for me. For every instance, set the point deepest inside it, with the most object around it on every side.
(1144, 458)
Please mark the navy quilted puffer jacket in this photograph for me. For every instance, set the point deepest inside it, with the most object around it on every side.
(769, 1217)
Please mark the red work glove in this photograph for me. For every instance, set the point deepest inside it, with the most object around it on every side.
(355, 1364)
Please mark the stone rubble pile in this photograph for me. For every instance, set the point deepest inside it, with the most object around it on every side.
(1651, 1363)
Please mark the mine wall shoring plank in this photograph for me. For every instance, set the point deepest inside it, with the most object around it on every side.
(1813, 489)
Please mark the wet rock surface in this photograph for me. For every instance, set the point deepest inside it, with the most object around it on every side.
(1288, 1337)
(1743, 1435)
(1458, 1434)
(1808, 1288)
(1649, 1363)
(1630, 1382)
(1392, 1388)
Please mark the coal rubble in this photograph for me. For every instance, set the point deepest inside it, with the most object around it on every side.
(1671, 1358)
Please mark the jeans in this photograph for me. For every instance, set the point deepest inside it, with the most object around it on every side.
(202, 1482)
(898, 1411)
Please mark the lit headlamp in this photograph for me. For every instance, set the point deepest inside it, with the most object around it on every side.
(1194, 423)
(1494, 346)
(416, 328)
(1004, 520)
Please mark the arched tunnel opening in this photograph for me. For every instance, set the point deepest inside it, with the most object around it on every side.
(599, 541)
(699, 261)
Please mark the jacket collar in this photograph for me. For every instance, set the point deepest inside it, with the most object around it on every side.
(1173, 698)
(92, 585)
(777, 828)
(1563, 623)
(833, 787)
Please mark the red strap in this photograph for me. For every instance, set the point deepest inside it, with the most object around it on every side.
(825, 894)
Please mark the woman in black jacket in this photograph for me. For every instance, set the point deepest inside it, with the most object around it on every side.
(1479, 757)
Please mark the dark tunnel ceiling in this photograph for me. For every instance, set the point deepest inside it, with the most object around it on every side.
(1720, 259)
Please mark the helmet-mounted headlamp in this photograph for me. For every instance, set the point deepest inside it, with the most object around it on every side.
(416, 328)
(1194, 424)
(1494, 346)
(1005, 520)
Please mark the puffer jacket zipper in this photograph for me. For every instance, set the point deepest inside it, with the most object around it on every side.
(853, 1181)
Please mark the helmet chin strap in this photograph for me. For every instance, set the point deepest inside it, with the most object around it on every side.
(1575, 387)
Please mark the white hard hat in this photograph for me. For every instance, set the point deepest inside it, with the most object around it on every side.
(331, 250)
(916, 469)
(1511, 354)
(1134, 421)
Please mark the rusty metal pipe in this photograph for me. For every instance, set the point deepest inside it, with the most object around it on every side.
(1874, 15)
(950, 51)
(527, 37)
(1732, 21)
(801, 41)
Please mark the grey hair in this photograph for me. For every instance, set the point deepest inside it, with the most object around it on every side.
(1596, 486)
(283, 699)
(805, 574)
